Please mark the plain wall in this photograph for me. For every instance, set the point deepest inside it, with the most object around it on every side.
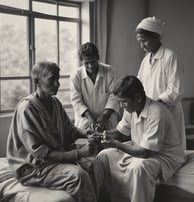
(124, 53)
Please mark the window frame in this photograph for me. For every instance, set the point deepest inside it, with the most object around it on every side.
(31, 16)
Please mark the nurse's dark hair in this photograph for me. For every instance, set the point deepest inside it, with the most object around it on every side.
(147, 33)
(128, 86)
(88, 49)
(42, 69)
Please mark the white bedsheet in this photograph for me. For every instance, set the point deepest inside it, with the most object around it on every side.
(11, 190)
(184, 178)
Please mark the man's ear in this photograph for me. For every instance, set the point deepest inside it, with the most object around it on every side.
(138, 97)
(36, 81)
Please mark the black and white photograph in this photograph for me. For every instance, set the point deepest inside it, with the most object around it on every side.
(96, 101)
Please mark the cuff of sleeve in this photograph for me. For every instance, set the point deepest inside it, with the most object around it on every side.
(82, 110)
(41, 152)
(123, 130)
(113, 106)
(164, 97)
(149, 146)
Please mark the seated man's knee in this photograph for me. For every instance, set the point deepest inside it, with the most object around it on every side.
(137, 166)
(105, 152)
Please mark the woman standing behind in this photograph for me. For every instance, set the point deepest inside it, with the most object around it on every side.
(91, 91)
(161, 71)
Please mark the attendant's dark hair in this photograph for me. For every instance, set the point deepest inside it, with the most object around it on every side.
(128, 86)
(42, 68)
(88, 50)
(147, 33)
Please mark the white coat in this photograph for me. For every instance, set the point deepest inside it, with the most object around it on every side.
(163, 79)
(94, 97)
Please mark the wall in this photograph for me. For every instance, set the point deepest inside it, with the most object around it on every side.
(178, 33)
(4, 129)
(124, 53)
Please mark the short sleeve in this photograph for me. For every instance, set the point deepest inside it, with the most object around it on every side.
(124, 126)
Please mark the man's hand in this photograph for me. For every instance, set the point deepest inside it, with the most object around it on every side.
(84, 151)
(110, 142)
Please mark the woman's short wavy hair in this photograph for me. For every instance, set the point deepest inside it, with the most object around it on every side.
(88, 50)
(128, 86)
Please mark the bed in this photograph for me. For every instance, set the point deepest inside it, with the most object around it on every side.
(180, 188)
(12, 191)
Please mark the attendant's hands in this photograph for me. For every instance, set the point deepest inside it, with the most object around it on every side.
(101, 122)
(91, 120)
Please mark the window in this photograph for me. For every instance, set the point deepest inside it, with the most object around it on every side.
(32, 31)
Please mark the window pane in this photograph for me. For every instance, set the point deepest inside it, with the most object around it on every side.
(46, 8)
(64, 91)
(23, 4)
(45, 40)
(13, 48)
(12, 91)
(67, 11)
(68, 39)
(64, 97)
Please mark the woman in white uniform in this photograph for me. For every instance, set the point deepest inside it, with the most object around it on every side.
(161, 71)
(91, 92)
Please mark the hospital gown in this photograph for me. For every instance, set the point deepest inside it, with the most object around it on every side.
(134, 179)
(33, 133)
(163, 79)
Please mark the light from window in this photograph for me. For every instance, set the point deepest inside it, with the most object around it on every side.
(13, 48)
(13, 91)
(44, 8)
(64, 91)
(50, 31)
(46, 40)
(68, 40)
(23, 4)
(67, 11)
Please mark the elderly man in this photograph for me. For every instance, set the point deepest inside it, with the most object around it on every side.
(161, 71)
(132, 169)
(39, 148)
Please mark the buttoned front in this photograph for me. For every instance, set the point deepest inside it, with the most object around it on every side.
(155, 129)
(163, 79)
(94, 97)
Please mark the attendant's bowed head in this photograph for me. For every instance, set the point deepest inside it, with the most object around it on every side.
(130, 92)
